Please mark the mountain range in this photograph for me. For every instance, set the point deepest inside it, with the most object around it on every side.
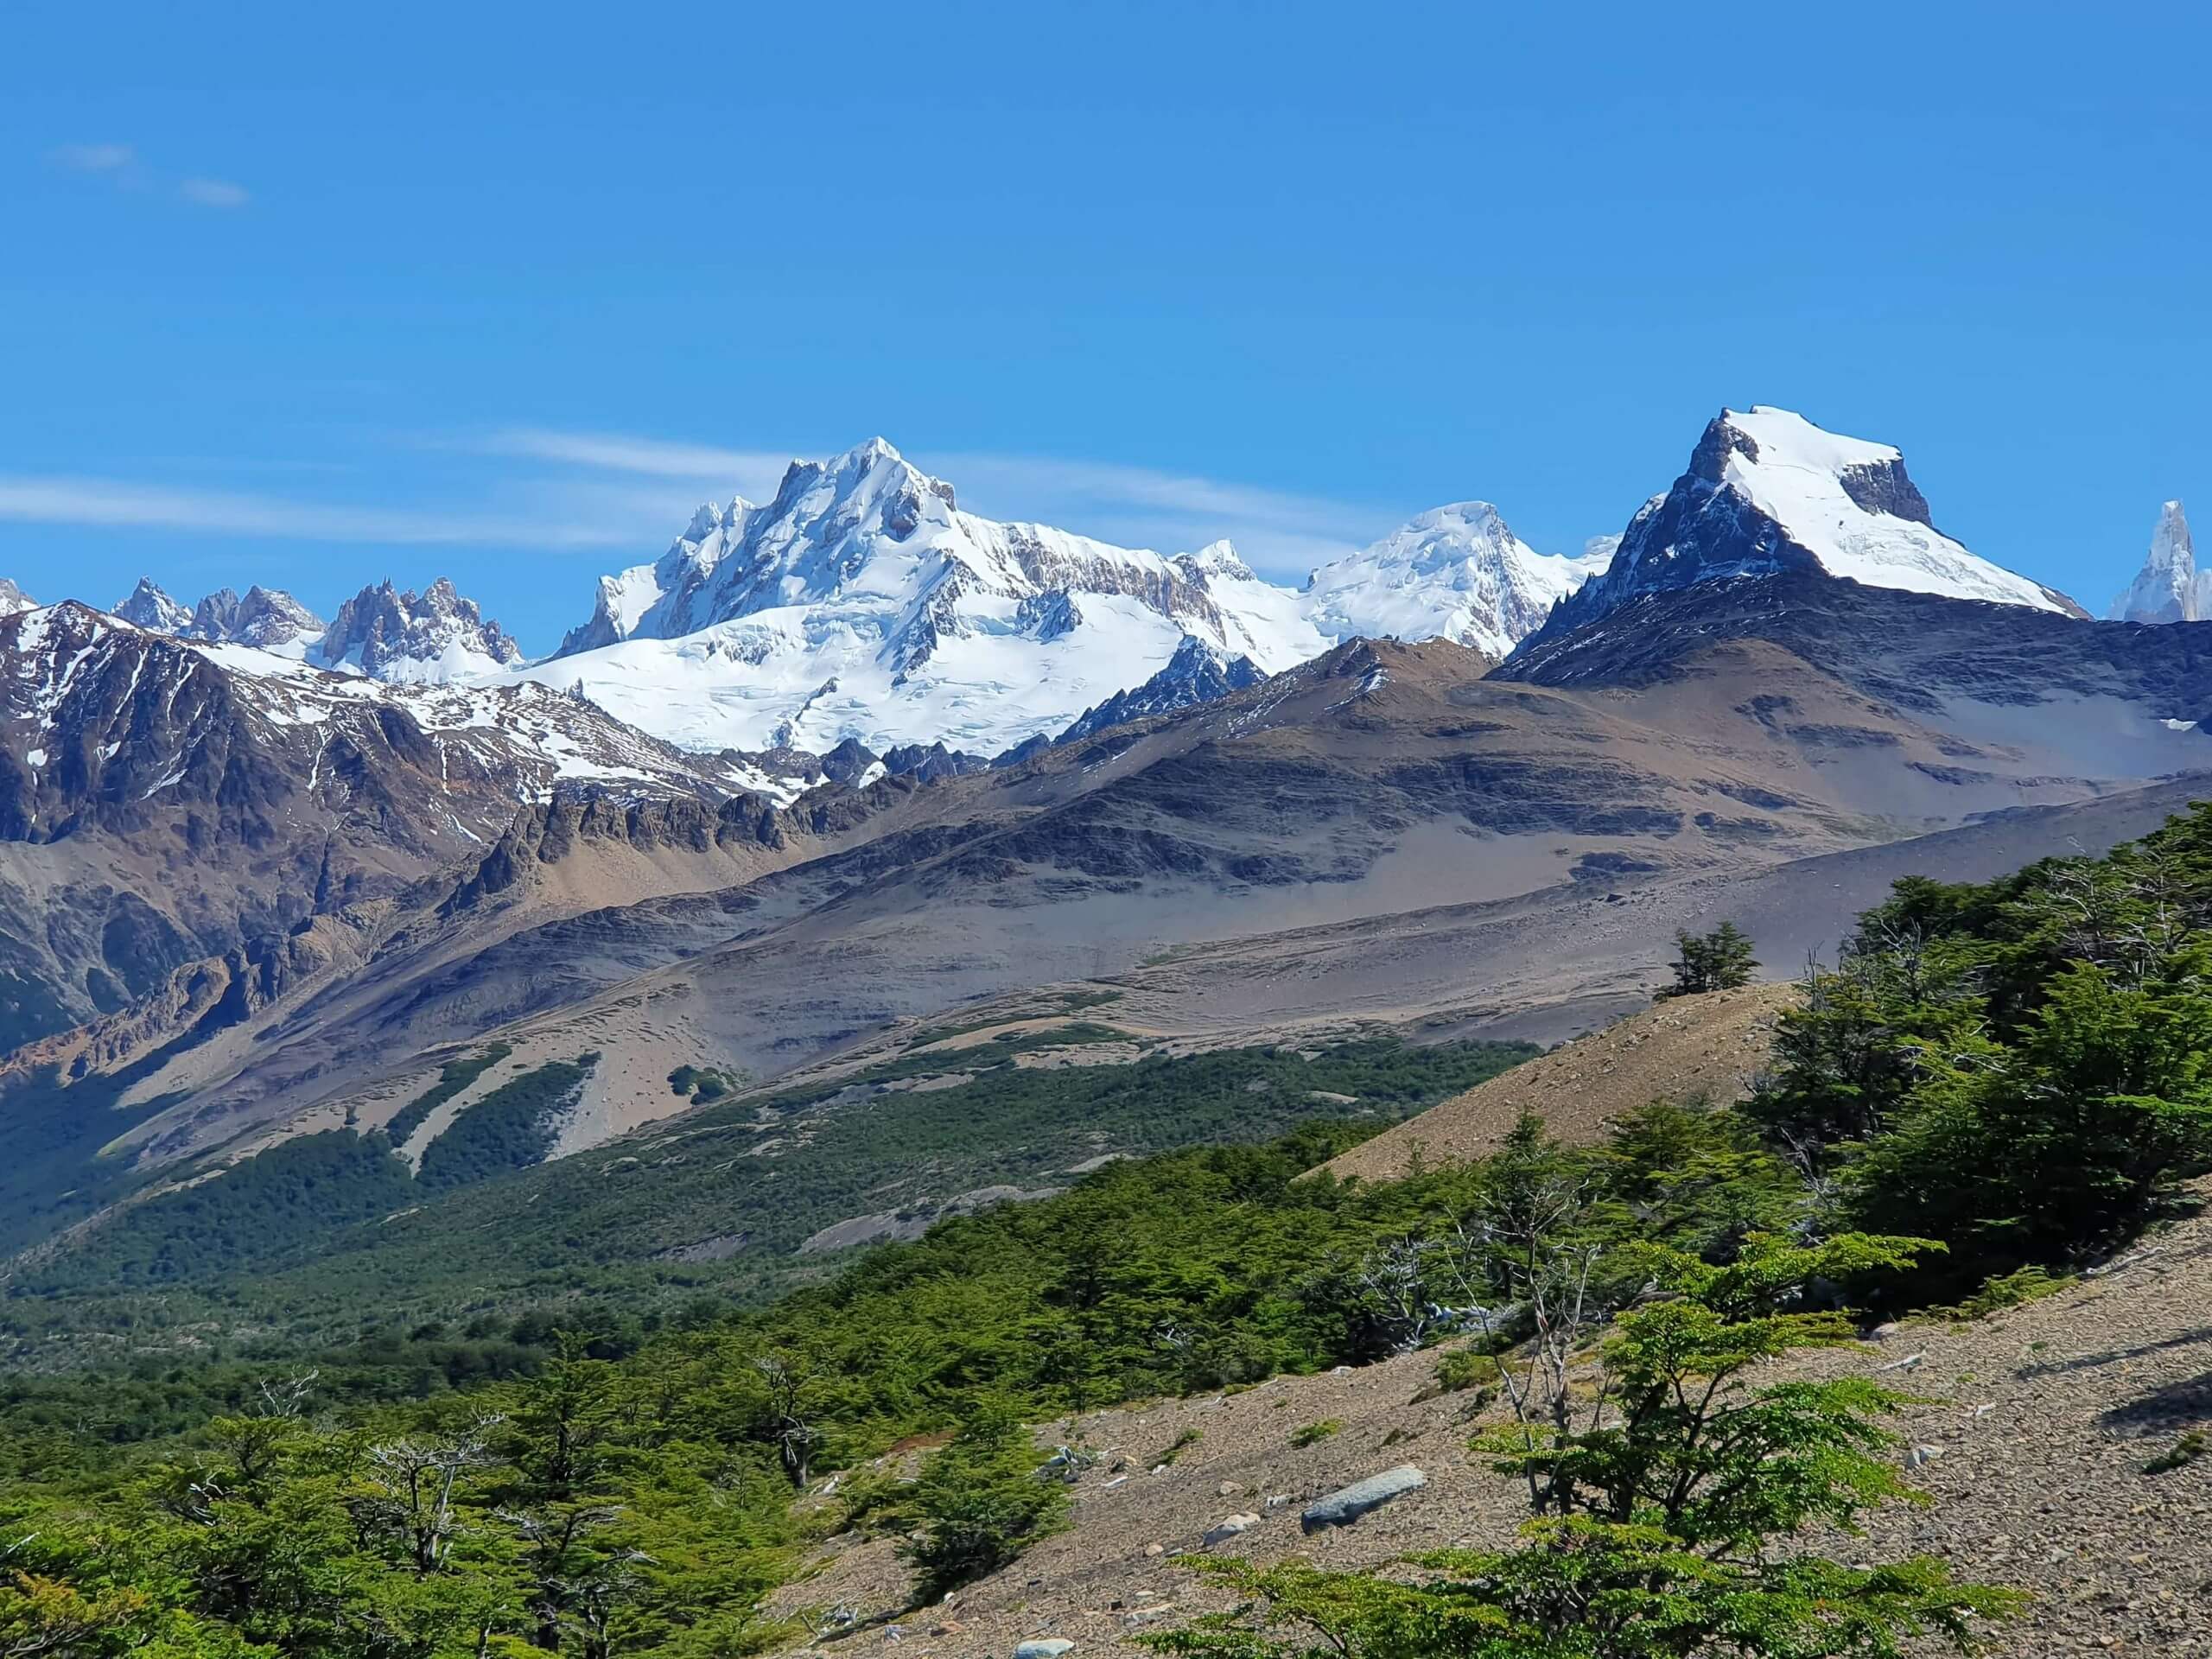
(861, 604)
(267, 880)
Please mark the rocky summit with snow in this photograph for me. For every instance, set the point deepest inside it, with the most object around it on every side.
(432, 636)
(14, 599)
(1768, 493)
(149, 607)
(863, 603)
(2169, 588)
(266, 619)
(1197, 673)
(1454, 573)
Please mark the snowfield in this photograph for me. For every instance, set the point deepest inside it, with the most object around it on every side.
(862, 603)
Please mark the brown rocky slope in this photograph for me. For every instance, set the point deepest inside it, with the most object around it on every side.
(1710, 1047)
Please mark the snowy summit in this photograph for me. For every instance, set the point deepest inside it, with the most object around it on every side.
(2169, 588)
(1767, 492)
(863, 603)
(1457, 573)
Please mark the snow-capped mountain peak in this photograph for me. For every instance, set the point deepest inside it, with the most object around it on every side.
(1218, 559)
(433, 636)
(150, 608)
(656, 600)
(1853, 506)
(1456, 572)
(2169, 588)
(862, 602)
(1768, 491)
(14, 599)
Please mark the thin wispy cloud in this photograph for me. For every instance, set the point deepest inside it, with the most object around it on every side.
(750, 471)
(119, 165)
(103, 502)
(214, 192)
(1284, 531)
(92, 158)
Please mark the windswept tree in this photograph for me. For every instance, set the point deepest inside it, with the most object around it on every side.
(1719, 961)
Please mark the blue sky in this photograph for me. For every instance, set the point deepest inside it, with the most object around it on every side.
(311, 296)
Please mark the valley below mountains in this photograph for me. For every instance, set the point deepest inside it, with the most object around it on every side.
(510, 927)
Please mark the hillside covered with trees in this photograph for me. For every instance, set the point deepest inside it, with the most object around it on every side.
(1994, 1087)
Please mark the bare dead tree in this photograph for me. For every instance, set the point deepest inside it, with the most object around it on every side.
(1532, 1223)
(412, 1485)
(284, 1397)
(793, 1436)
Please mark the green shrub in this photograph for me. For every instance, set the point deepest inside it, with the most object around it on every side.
(2192, 1444)
(1460, 1369)
(2001, 1291)
(981, 1501)
(1719, 961)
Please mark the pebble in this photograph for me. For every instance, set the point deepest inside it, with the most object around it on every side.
(1230, 1526)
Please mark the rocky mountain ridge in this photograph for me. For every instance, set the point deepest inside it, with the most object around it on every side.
(167, 799)
(431, 636)
(1197, 673)
(862, 603)
(266, 619)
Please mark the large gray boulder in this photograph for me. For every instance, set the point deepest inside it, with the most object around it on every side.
(1342, 1509)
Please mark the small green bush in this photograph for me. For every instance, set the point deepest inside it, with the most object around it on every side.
(2001, 1291)
(1463, 1368)
(2184, 1451)
(981, 1500)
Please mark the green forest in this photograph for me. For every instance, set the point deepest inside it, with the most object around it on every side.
(1992, 1087)
(328, 1236)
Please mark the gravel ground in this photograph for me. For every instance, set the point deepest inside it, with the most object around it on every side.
(2044, 1489)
